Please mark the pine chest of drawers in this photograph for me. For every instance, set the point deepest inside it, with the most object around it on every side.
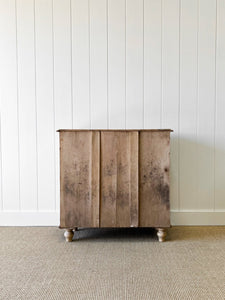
(114, 178)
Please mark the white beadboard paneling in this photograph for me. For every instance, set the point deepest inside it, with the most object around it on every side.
(152, 63)
(116, 63)
(220, 109)
(62, 81)
(206, 103)
(111, 64)
(80, 63)
(27, 104)
(98, 63)
(170, 87)
(45, 105)
(134, 63)
(188, 100)
(8, 107)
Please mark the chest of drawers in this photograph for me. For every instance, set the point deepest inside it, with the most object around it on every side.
(114, 178)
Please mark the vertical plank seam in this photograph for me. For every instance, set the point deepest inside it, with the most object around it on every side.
(138, 183)
(125, 71)
(92, 217)
(161, 96)
(197, 105)
(215, 110)
(107, 63)
(117, 174)
(143, 62)
(129, 172)
(35, 98)
(179, 106)
(17, 97)
(71, 64)
(53, 100)
(89, 62)
(61, 194)
(100, 178)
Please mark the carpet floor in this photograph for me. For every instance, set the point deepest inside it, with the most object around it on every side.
(102, 264)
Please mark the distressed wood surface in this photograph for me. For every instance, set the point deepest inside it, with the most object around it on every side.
(154, 205)
(114, 178)
(119, 179)
(79, 177)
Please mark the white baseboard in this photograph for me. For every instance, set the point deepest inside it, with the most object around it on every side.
(191, 218)
(51, 218)
(29, 218)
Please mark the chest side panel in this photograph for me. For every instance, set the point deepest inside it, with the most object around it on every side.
(119, 179)
(79, 179)
(154, 205)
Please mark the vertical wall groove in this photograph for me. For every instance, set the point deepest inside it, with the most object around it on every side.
(143, 63)
(17, 96)
(89, 59)
(161, 102)
(71, 59)
(35, 99)
(107, 64)
(197, 103)
(53, 103)
(179, 105)
(125, 37)
(215, 113)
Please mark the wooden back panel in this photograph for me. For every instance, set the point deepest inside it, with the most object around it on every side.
(119, 179)
(114, 178)
(79, 179)
(154, 205)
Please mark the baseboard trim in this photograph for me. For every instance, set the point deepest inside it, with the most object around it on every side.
(201, 218)
(29, 218)
(51, 218)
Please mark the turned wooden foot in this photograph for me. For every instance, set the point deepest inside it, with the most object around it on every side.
(161, 233)
(68, 234)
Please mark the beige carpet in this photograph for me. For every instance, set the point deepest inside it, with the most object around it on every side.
(36, 263)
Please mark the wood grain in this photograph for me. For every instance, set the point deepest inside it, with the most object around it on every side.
(79, 176)
(154, 179)
(114, 178)
(119, 179)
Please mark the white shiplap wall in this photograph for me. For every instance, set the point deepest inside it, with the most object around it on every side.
(111, 64)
